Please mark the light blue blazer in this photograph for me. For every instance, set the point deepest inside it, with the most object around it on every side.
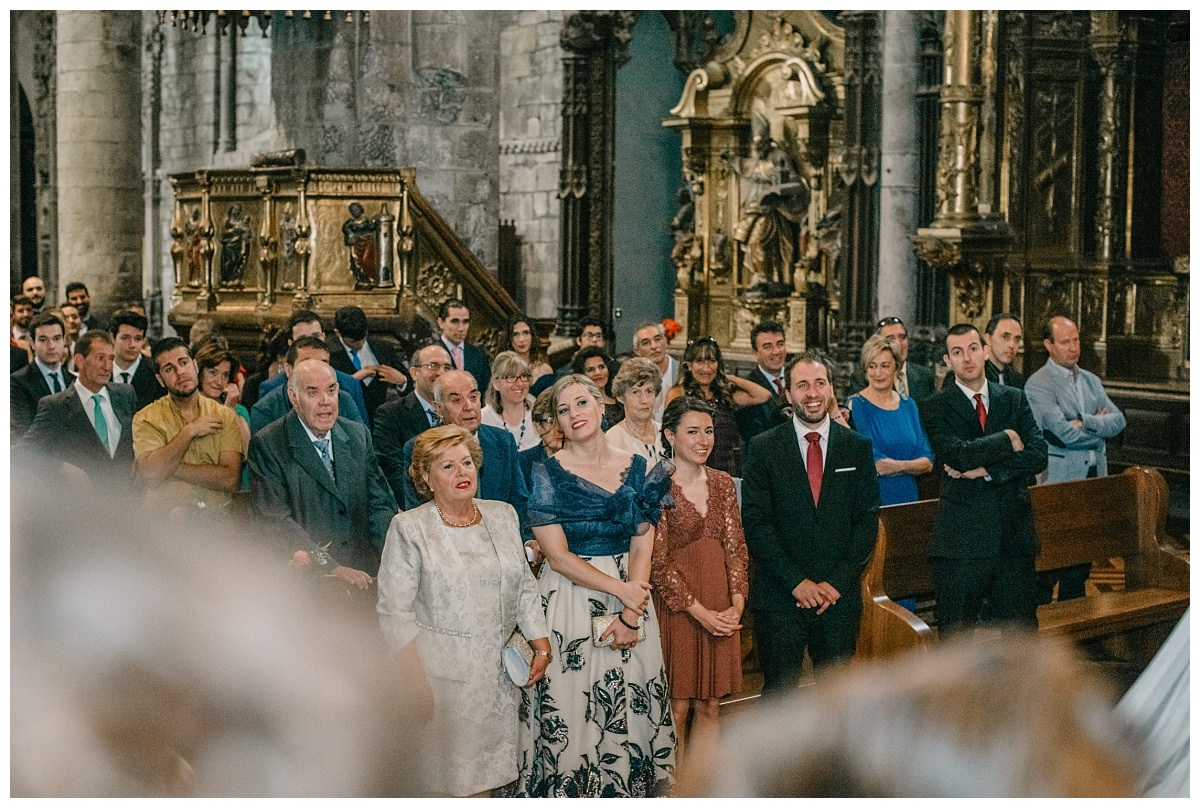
(1054, 404)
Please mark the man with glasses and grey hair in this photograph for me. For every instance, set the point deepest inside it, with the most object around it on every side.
(915, 381)
(400, 420)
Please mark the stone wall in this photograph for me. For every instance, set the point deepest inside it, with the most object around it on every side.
(530, 150)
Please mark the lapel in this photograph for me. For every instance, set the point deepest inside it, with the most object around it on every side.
(964, 409)
(349, 481)
(792, 462)
(305, 454)
(999, 411)
(758, 377)
(75, 414)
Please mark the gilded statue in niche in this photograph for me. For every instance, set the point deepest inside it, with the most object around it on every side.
(359, 233)
(235, 245)
(775, 198)
(194, 239)
(289, 232)
(686, 252)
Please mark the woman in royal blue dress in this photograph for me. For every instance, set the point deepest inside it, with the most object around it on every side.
(891, 421)
(599, 724)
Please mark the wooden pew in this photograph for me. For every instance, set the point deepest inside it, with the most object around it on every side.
(1121, 516)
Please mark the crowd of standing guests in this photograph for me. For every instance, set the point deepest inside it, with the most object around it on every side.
(615, 524)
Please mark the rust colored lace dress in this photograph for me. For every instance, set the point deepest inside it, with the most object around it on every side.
(699, 558)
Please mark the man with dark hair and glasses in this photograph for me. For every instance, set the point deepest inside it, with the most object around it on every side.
(399, 421)
(915, 381)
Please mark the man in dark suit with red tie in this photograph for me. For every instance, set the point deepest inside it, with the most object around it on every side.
(769, 342)
(810, 506)
(989, 447)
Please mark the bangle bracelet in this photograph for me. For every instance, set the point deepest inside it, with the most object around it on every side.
(546, 654)
(621, 617)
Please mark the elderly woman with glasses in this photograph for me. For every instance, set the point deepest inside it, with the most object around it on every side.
(703, 375)
(507, 402)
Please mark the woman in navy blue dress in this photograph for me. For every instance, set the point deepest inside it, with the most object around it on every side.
(891, 421)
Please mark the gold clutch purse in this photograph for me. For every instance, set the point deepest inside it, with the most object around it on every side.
(600, 624)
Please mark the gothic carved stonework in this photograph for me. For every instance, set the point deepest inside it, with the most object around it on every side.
(1014, 108)
(1112, 53)
(1058, 25)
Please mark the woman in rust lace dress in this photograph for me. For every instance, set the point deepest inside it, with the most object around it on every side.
(698, 570)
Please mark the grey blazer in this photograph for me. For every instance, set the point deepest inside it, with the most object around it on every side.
(1054, 404)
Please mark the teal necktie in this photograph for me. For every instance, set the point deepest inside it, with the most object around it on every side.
(357, 362)
(101, 423)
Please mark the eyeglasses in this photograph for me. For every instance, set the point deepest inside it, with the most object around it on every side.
(435, 366)
(592, 336)
(520, 377)
(889, 321)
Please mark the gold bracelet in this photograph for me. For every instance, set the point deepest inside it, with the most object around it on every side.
(546, 654)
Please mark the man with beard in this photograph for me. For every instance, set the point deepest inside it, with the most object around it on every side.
(35, 289)
(810, 505)
(79, 297)
(187, 448)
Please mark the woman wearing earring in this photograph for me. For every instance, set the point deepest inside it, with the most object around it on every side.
(507, 402)
(599, 724)
(601, 368)
(699, 576)
(703, 375)
(453, 584)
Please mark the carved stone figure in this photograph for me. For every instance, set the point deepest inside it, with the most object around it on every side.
(775, 199)
(289, 231)
(235, 245)
(686, 251)
(359, 233)
(195, 248)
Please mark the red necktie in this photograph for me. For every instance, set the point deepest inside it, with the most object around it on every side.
(980, 411)
(815, 467)
(779, 385)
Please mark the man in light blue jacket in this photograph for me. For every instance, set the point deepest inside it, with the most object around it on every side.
(1076, 416)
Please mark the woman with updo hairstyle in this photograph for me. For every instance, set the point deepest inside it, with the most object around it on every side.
(453, 585)
(601, 368)
(892, 422)
(636, 387)
(699, 575)
(703, 376)
(507, 402)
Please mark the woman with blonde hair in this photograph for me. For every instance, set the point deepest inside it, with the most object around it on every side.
(453, 586)
(507, 401)
(892, 423)
(636, 387)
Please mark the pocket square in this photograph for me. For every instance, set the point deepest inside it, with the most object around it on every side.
(847, 468)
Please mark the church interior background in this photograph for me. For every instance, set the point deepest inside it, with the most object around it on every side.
(820, 168)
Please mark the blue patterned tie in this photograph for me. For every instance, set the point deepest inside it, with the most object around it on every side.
(322, 445)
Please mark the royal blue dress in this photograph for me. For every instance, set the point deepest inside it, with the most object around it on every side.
(599, 724)
(896, 434)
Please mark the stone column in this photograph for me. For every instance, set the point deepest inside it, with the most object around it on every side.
(100, 195)
(897, 284)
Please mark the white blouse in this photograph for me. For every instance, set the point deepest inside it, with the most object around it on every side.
(525, 435)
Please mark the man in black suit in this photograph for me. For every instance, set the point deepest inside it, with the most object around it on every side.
(79, 297)
(454, 321)
(1002, 340)
(398, 421)
(65, 428)
(128, 329)
(457, 398)
(375, 364)
(989, 447)
(915, 381)
(810, 505)
(46, 376)
(315, 485)
(770, 352)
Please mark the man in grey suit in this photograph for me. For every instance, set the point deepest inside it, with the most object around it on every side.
(45, 376)
(87, 429)
(314, 482)
(810, 506)
(989, 447)
(275, 404)
(1076, 416)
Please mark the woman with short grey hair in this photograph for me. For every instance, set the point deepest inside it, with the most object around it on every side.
(637, 386)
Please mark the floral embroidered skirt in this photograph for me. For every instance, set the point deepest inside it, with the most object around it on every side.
(599, 724)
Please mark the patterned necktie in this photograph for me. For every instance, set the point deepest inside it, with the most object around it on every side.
(433, 418)
(815, 467)
(980, 411)
(458, 357)
(902, 383)
(322, 445)
(779, 385)
(101, 424)
(55, 386)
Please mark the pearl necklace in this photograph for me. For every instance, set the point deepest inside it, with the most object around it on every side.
(474, 515)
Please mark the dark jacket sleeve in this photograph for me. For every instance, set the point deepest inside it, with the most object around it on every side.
(864, 523)
(759, 505)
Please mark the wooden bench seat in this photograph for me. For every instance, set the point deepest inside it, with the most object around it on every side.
(1121, 516)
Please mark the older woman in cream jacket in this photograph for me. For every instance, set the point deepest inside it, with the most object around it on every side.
(453, 585)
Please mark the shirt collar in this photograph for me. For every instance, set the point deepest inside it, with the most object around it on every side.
(46, 369)
(131, 370)
(85, 395)
(803, 429)
(312, 436)
(970, 394)
(1067, 373)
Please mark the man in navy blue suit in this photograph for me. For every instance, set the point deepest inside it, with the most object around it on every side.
(454, 321)
(456, 396)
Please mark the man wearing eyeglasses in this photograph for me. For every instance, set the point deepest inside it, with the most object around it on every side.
(399, 421)
(591, 335)
(915, 381)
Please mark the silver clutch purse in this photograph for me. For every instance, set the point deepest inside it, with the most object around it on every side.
(600, 624)
(518, 658)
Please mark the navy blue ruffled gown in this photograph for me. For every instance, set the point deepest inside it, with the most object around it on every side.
(599, 724)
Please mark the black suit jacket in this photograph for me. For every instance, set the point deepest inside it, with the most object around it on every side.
(759, 418)
(26, 388)
(145, 383)
(476, 361)
(294, 497)
(61, 431)
(377, 392)
(986, 517)
(396, 423)
(789, 538)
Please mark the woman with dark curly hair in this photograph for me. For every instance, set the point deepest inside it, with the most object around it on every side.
(702, 375)
(523, 341)
(601, 368)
